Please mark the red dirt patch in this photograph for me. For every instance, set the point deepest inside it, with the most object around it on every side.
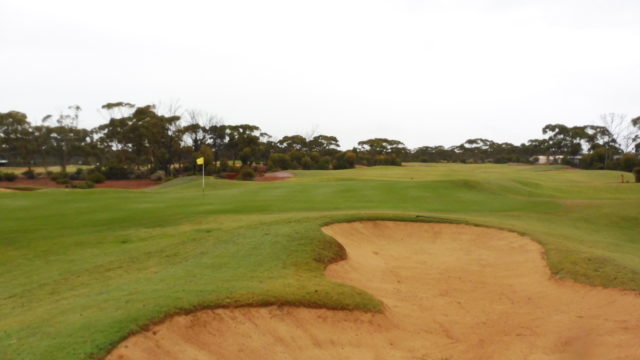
(127, 184)
(275, 176)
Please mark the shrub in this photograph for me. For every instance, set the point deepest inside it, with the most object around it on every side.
(636, 173)
(81, 185)
(344, 160)
(9, 176)
(209, 170)
(628, 162)
(279, 162)
(158, 176)
(246, 155)
(62, 181)
(96, 177)
(59, 177)
(139, 174)
(86, 185)
(247, 174)
(324, 163)
(306, 163)
(223, 166)
(29, 174)
(79, 174)
(296, 157)
(116, 172)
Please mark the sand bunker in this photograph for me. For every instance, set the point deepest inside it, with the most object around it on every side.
(450, 291)
(275, 176)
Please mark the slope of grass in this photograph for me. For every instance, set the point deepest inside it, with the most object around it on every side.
(80, 270)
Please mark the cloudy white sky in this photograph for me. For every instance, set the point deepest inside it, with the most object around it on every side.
(423, 72)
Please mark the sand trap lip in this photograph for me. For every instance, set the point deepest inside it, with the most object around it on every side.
(450, 292)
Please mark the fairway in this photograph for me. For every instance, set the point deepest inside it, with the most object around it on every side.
(81, 270)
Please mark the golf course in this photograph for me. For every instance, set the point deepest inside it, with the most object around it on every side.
(81, 271)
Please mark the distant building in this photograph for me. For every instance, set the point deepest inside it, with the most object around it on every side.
(554, 159)
(546, 160)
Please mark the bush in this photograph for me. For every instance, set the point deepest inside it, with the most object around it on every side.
(79, 174)
(247, 174)
(29, 174)
(96, 177)
(59, 178)
(116, 172)
(324, 163)
(279, 162)
(9, 176)
(139, 174)
(344, 160)
(158, 176)
(636, 173)
(209, 170)
(82, 185)
(86, 185)
(62, 181)
(306, 163)
(628, 162)
(223, 166)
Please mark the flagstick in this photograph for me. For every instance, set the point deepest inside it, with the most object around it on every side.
(203, 179)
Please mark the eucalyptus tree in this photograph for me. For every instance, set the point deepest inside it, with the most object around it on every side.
(381, 151)
(16, 137)
(290, 143)
(323, 144)
(243, 139)
(67, 139)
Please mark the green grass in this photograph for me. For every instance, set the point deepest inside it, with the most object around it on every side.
(82, 269)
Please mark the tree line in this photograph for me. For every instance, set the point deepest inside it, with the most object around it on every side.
(137, 141)
(613, 145)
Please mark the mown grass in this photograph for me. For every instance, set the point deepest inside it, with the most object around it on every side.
(82, 269)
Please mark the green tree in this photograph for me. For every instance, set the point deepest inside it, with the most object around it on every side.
(381, 151)
(241, 137)
(16, 137)
(292, 142)
(67, 139)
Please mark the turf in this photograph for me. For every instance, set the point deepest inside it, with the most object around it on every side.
(82, 269)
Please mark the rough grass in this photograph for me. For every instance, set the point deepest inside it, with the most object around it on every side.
(80, 270)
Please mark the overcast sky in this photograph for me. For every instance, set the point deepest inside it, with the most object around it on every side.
(423, 72)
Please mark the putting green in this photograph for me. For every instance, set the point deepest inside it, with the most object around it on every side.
(82, 269)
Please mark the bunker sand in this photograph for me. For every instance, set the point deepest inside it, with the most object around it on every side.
(450, 292)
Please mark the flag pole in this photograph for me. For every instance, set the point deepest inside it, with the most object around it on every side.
(203, 179)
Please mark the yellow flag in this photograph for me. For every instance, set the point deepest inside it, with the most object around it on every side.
(200, 161)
